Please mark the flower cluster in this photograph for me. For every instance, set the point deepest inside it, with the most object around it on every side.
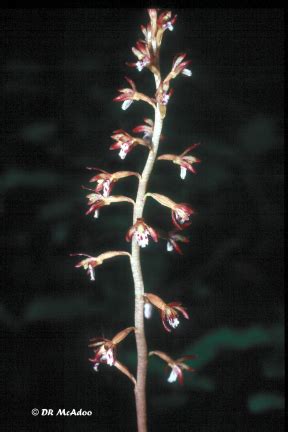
(140, 233)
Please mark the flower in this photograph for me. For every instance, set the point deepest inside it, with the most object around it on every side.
(141, 232)
(180, 212)
(177, 365)
(96, 201)
(130, 94)
(105, 351)
(178, 67)
(142, 52)
(181, 215)
(166, 21)
(155, 29)
(169, 311)
(90, 262)
(172, 238)
(105, 181)
(147, 129)
(163, 95)
(185, 162)
(125, 142)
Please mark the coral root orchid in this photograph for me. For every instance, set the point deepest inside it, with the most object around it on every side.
(96, 201)
(125, 142)
(129, 95)
(141, 232)
(147, 52)
(185, 162)
(177, 366)
(169, 311)
(90, 262)
(105, 349)
(105, 181)
(178, 67)
(172, 238)
(181, 213)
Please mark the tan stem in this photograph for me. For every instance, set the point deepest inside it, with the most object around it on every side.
(140, 392)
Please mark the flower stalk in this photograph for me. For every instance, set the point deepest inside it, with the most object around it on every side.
(140, 392)
(139, 234)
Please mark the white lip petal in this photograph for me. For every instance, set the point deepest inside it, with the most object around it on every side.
(183, 172)
(126, 104)
(106, 188)
(147, 310)
(139, 66)
(174, 322)
(91, 273)
(142, 238)
(187, 72)
(95, 367)
(169, 247)
(172, 377)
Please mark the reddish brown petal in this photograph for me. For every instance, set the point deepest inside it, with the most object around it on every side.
(97, 169)
(180, 376)
(163, 356)
(189, 149)
(167, 157)
(122, 335)
(186, 357)
(176, 247)
(156, 301)
(164, 318)
(178, 237)
(125, 371)
(94, 207)
(122, 174)
(162, 199)
(80, 254)
(131, 82)
(175, 222)
(153, 233)
(115, 146)
(183, 311)
(188, 166)
(111, 254)
(130, 233)
(120, 98)
(178, 59)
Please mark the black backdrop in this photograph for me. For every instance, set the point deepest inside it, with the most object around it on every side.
(60, 71)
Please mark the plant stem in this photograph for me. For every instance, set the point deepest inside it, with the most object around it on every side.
(140, 392)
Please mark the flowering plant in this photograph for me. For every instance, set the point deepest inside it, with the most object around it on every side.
(147, 54)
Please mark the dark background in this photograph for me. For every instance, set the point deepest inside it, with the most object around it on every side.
(60, 71)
